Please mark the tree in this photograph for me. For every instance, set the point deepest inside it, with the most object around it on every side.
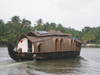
(52, 26)
(1, 26)
(86, 29)
(14, 30)
(2, 30)
(16, 19)
(46, 26)
(89, 36)
(60, 28)
(26, 22)
(11, 30)
(39, 22)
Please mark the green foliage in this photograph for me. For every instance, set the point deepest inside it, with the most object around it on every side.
(39, 22)
(88, 36)
(16, 19)
(91, 34)
(26, 22)
(58, 27)
(11, 30)
(14, 30)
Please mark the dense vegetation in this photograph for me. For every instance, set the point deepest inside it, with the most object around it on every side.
(11, 30)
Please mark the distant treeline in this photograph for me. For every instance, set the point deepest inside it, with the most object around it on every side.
(10, 31)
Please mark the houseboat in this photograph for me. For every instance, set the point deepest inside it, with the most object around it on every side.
(44, 45)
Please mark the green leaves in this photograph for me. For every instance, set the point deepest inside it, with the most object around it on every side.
(26, 22)
(11, 30)
(91, 34)
(15, 19)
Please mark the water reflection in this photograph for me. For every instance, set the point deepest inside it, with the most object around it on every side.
(61, 66)
(46, 67)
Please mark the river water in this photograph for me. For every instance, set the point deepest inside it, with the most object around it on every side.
(87, 64)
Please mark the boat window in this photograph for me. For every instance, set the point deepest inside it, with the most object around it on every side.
(61, 44)
(71, 42)
(39, 47)
(29, 46)
(56, 44)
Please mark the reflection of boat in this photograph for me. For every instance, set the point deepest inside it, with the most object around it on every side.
(45, 45)
(59, 66)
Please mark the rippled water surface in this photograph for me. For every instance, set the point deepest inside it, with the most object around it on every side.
(87, 64)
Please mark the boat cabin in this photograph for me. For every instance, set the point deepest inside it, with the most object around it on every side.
(43, 42)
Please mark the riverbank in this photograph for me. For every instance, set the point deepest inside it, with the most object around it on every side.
(91, 45)
(3, 43)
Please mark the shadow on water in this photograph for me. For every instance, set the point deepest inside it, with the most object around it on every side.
(59, 66)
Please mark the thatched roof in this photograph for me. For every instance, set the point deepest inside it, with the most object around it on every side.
(49, 33)
(35, 39)
(36, 36)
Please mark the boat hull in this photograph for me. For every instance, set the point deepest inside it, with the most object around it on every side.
(40, 56)
(23, 56)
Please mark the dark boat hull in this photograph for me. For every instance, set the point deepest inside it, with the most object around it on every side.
(39, 56)
(31, 56)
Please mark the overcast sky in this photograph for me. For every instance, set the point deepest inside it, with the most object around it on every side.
(70, 13)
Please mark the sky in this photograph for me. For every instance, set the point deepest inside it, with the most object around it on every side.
(70, 13)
